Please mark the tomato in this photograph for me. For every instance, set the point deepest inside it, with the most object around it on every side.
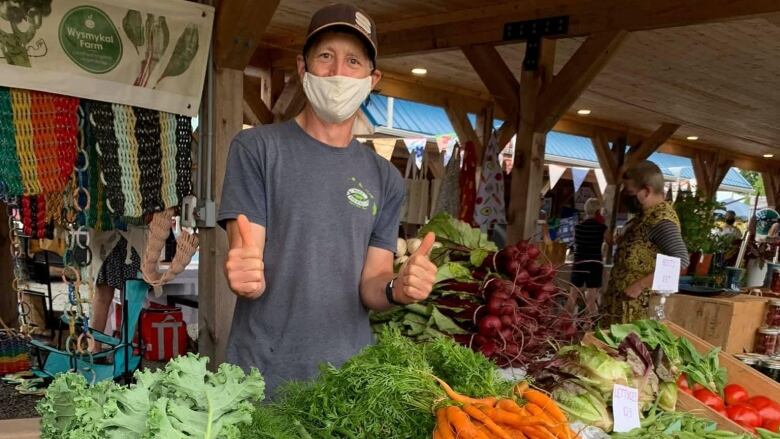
(709, 399)
(768, 409)
(682, 382)
(773, 426)
(697, 386)
(734, 393)
(744, 415)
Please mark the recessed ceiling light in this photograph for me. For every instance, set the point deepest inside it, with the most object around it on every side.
(692, 137)
(419, 71)
(768, 156)
(583, 112)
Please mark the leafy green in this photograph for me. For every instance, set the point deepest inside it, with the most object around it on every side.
(457, 235)
(584, 403)
(133, 27)
(386, 391)
(677, 425)
(452, 270)
(595, 367)
(183, 53)
(180, 401)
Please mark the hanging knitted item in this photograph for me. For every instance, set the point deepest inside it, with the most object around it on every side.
(490, 195)
(33, 216)
(25, 150)
(183, 156)
(147, 134)
(10, 175)
(101, 122)
(186, 245)
(468, 189)
(168, 150)
(127, 152)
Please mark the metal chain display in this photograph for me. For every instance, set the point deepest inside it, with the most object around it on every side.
(19, 281)
(147, 134)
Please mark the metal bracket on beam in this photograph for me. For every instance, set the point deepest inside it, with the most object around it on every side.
(532, 31)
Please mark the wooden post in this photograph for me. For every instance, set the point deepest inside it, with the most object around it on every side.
(8, 308)
(772, 187)
(619, 150)
(528, 170)
(215, 298)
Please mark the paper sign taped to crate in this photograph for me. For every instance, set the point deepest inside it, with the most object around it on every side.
(625, 408)
(667, 274)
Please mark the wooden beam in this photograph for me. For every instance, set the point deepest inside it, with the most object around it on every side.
(290, 102)
(462, 126)
(495, 74)
(8, 305)
(507, 131)
(606, 156)
(613, 193)
(434, 93)
(216, 299)
(240, 25)
(722, 167)
(254, 101)
(702, 173)
(528, 168)
(772, 187)
(576, 75)
(485, 25)
(485, 125)
(650, 144)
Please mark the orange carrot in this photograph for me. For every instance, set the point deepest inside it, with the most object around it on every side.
(560, 428)
(463, 399)
(521, 388)
(442, 425)
(537, 433)
(462, 425)
(513, 419)
(480, 416)
(546, 403)
(436, 434)
(511, 406)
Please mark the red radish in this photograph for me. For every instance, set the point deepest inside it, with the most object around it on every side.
(511, 349)
(507, 320)
(506, 333)
(532, 252)
(490, 325)
(495, 305)
(533, 268)
(480, 339)
(488, 349)
(522, 277)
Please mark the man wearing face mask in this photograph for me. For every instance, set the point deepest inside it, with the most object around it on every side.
(312, 217)
(655, 229)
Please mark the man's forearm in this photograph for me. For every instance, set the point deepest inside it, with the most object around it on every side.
(372, 292)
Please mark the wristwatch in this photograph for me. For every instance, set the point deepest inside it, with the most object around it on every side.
(389, 293)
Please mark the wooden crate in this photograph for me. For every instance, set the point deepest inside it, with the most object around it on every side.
(754, 382)
(728, 322)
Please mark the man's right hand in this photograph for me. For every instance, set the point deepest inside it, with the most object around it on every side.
(244, 266)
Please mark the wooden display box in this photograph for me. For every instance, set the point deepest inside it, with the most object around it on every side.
(754, 382)
(728, 322)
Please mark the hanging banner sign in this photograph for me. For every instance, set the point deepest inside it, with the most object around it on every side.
(556, 172)
(446, 144)
(416, 148)
(578, 176)
(601, 179)
(150, 54)
(385, 147)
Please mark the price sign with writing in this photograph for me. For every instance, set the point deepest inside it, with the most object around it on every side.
(625, 408)
(667, 274)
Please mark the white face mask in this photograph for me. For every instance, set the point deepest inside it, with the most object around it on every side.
(335, 98)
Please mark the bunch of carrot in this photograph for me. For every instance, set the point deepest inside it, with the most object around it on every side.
(503, 418)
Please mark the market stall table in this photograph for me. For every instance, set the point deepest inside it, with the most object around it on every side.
(28, 428)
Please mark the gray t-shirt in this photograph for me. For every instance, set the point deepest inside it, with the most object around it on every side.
(322, 208)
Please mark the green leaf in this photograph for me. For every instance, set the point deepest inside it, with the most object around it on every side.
(134, 28)
(445, 324)
(453, 270)
(457, 235)
(477, 256)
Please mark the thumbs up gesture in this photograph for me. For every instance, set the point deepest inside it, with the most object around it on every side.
(244, 266)
(417, 276)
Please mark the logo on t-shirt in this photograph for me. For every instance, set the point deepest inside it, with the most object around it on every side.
(360, 197)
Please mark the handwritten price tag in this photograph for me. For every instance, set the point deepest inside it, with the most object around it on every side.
(625, 408)
(667, 273)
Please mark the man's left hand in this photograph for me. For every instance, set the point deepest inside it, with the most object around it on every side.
(417, 276)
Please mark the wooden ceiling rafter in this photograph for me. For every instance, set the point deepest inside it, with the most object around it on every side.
(253, 102)
(650, 144)
(239, 28)
(486, 25)
(495, 75)
(567, 86)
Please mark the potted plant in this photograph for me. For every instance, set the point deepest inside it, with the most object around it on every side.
(697, 221)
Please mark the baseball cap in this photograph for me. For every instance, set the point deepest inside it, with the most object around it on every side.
(345, 15)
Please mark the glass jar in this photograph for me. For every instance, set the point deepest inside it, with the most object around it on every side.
(773, 313)
(774, 284)
(773, 369)
(749, 360)
(766, 341)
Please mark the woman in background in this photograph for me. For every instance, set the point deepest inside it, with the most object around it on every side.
(589, 236)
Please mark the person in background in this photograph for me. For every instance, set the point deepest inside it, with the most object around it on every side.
(774, 231)
(655, 229)
(589, 235)
(728, 228)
